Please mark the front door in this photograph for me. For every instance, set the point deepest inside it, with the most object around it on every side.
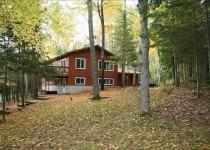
(64, 88)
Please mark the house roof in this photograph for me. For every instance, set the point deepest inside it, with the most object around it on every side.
(78, 50)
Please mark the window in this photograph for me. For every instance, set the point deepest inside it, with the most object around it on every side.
(63, 65)
(107, 81)
(63, 62)
(80, 80)
(80, 63)
(108, 66)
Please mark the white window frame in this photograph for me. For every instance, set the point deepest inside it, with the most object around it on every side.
(80, 59)
(105, 68)
(106, 79)
(80, 78)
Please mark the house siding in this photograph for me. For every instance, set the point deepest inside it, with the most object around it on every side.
(73, 72)
(68, 85)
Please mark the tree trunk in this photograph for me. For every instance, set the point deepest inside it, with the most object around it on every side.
(18, 89)
(26, 85)
(208, 34)
(144, 62)
(5, 93)
(101, 16)
(96, 95)
(176, 80)
(134, 77)
(5, 90)
(173, 70)
(123, 76)
(196, 54)
(22, 89)
(35, 86)
(124, 29)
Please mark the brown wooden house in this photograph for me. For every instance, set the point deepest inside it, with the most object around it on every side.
(74, 72)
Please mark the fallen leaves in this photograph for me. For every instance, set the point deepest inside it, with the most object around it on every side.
(76, 122)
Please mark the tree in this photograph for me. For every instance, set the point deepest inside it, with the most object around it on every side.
(124, 43)
(100, 9)
(144, 63)
(96, 94)
(60, 27)
(207, 4)
(20, 42)
(170, 21)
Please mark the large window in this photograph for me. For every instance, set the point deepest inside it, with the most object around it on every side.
(108, 66)
(80, 80)
(80, 63)
(107, 81)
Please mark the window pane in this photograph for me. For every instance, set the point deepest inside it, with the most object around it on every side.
(105, 65)
(99, 81)
(100, 64)
(82, 81)
(63, 63)
(111, 81)
(78, 63)
(82, 63)
(111, 67)
(78, 80)
(105, 81)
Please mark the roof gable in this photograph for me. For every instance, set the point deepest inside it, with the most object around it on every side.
(79, 50)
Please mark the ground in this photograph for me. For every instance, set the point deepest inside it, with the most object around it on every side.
(179, 121)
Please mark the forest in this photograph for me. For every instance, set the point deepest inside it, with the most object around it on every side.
(167, 41)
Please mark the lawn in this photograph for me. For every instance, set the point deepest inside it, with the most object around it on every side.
(76, 122)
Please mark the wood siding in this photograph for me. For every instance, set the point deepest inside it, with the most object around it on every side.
(86, 73)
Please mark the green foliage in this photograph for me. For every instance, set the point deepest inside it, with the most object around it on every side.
(154, 66)
(172, 30)
(21, 42)
(124, 43)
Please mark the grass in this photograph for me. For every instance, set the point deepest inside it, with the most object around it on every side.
(112, 123)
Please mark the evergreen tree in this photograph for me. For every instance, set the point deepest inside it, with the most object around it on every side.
(124, 43)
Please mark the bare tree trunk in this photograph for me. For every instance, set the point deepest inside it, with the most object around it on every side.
(5, 90)
(123, 76)
(134, 77)
(26, 85)
(22, 77)
(173, 70)
(176, 81)
(196, 53)
(124, 29)
(22, 89)
(96, 94)
(100, 8)
(144, 62)
(18, 89)
(35, 86)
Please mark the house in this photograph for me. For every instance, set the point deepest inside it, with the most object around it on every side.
(74, 72)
